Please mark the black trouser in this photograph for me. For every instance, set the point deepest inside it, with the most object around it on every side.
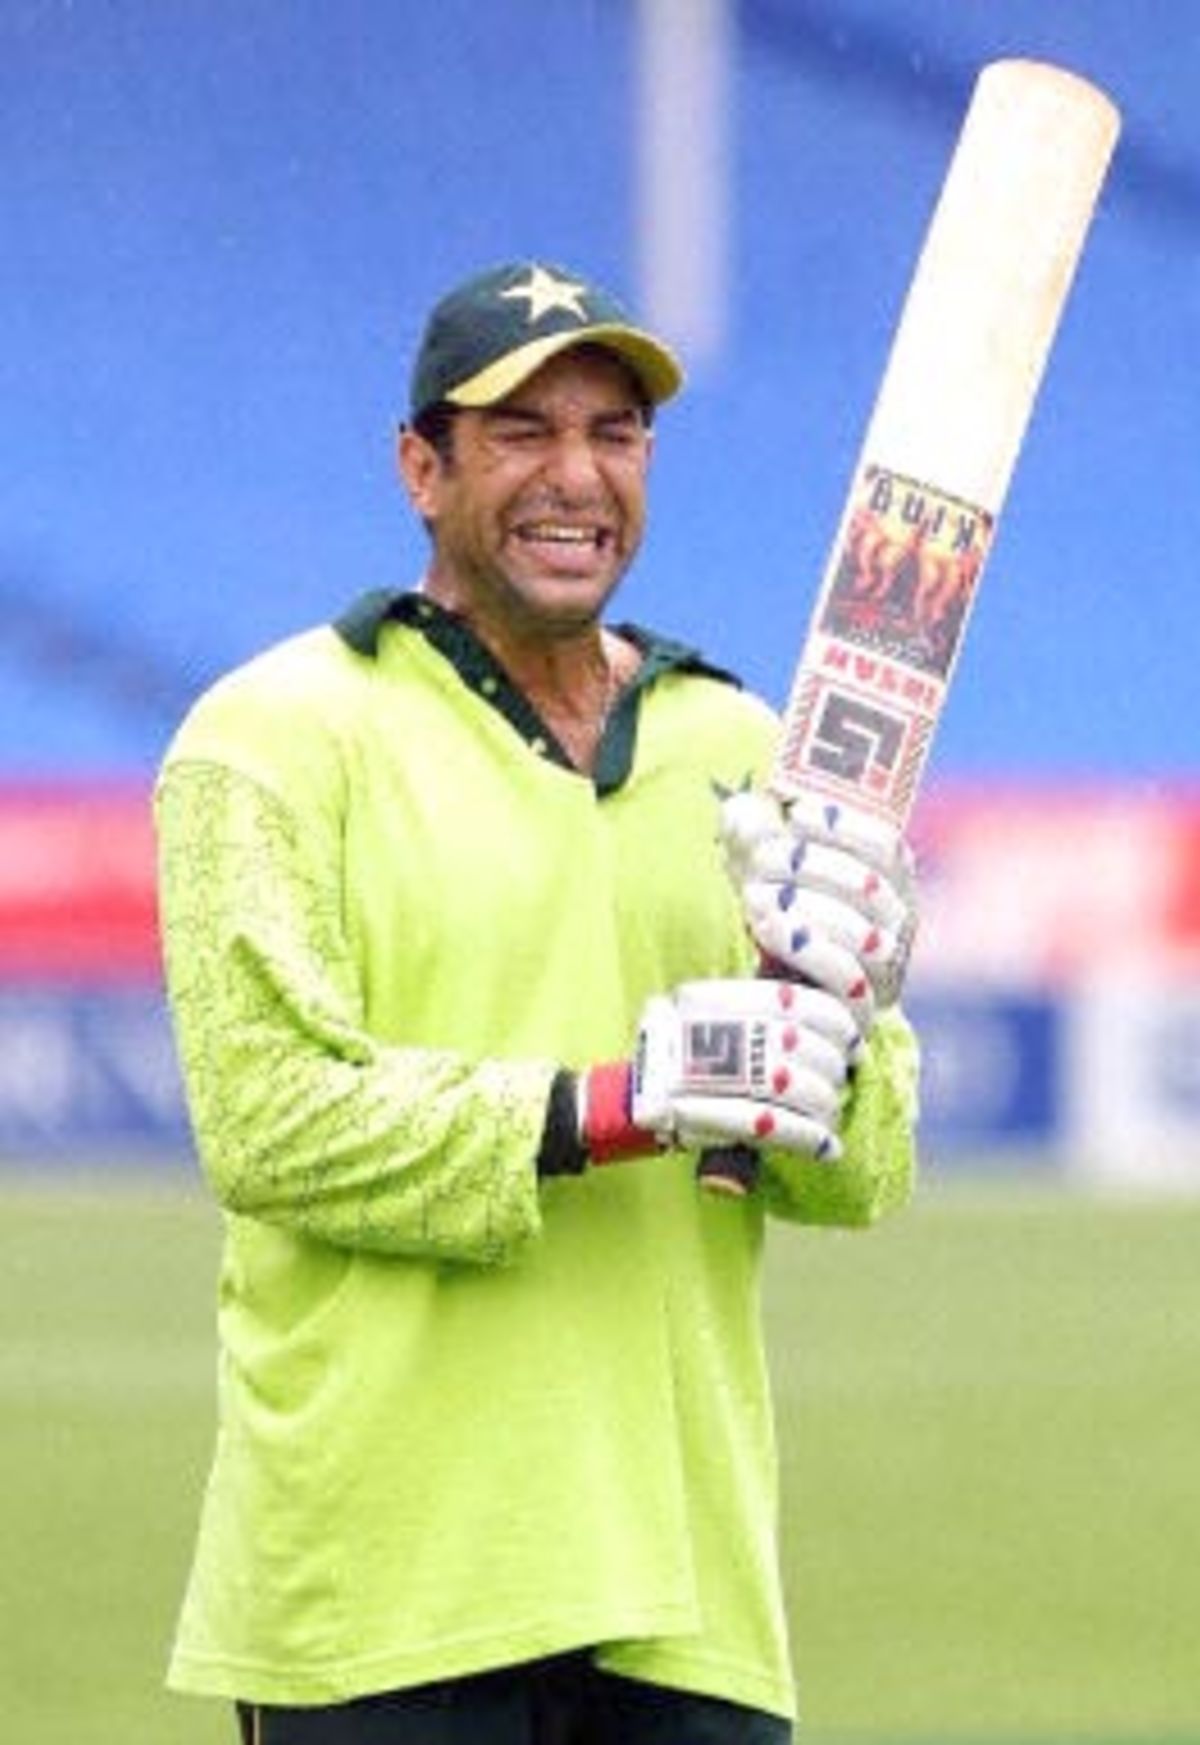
(563, 1701)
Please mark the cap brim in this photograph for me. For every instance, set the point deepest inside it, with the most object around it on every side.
(656, 367)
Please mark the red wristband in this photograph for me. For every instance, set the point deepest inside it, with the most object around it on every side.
(609, 1132)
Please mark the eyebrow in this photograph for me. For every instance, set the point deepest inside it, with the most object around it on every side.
(511, 415)
(529, 415)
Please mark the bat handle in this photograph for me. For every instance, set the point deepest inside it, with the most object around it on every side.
(728, 1169)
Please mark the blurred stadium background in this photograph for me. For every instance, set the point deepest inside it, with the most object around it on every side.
(222, 225)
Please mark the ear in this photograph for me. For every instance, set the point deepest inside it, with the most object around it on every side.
(421, 468)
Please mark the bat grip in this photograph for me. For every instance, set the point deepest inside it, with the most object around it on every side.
(729, 1169)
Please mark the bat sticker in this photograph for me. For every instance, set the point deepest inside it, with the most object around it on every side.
(851, 737)
(903, 580)
(855, 744)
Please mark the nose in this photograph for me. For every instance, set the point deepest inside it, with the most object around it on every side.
(571, 463)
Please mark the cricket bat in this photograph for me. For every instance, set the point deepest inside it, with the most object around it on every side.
(964, 368)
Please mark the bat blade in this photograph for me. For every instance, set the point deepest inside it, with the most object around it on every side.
(957, 393)
(962, 375)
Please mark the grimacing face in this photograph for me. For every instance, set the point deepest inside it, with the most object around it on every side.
(538, 505)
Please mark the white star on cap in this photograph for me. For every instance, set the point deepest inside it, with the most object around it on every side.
(545, 292)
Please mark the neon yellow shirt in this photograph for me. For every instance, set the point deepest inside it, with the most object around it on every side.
(468, 1416)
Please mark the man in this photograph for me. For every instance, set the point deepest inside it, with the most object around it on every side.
(495, 1457)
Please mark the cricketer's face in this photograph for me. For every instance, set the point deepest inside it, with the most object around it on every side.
(539, 507)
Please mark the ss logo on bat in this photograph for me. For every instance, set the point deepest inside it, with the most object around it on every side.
(853, 738)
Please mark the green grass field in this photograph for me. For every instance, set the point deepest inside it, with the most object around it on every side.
(990, 1439)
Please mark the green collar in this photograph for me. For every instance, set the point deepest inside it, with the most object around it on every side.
(360, 626)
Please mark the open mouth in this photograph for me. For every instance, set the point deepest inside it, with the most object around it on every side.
(588, 534)
(565, 536)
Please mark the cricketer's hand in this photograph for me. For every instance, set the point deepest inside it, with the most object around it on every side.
(828, 892)
(719, 1062)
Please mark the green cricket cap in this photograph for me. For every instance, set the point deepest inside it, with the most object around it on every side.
(490, 334)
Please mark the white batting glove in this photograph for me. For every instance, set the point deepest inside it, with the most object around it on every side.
(756, 1061)
(828, 892)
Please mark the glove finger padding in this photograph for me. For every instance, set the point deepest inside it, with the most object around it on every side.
(822, 939)
(745, 1061)
(823, 884)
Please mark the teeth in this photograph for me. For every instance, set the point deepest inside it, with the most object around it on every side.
(558, 535)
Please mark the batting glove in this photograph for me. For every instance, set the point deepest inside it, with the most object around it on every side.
(719, 1062)
(828, 892)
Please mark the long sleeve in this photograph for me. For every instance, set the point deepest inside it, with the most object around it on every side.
(301, 1117)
